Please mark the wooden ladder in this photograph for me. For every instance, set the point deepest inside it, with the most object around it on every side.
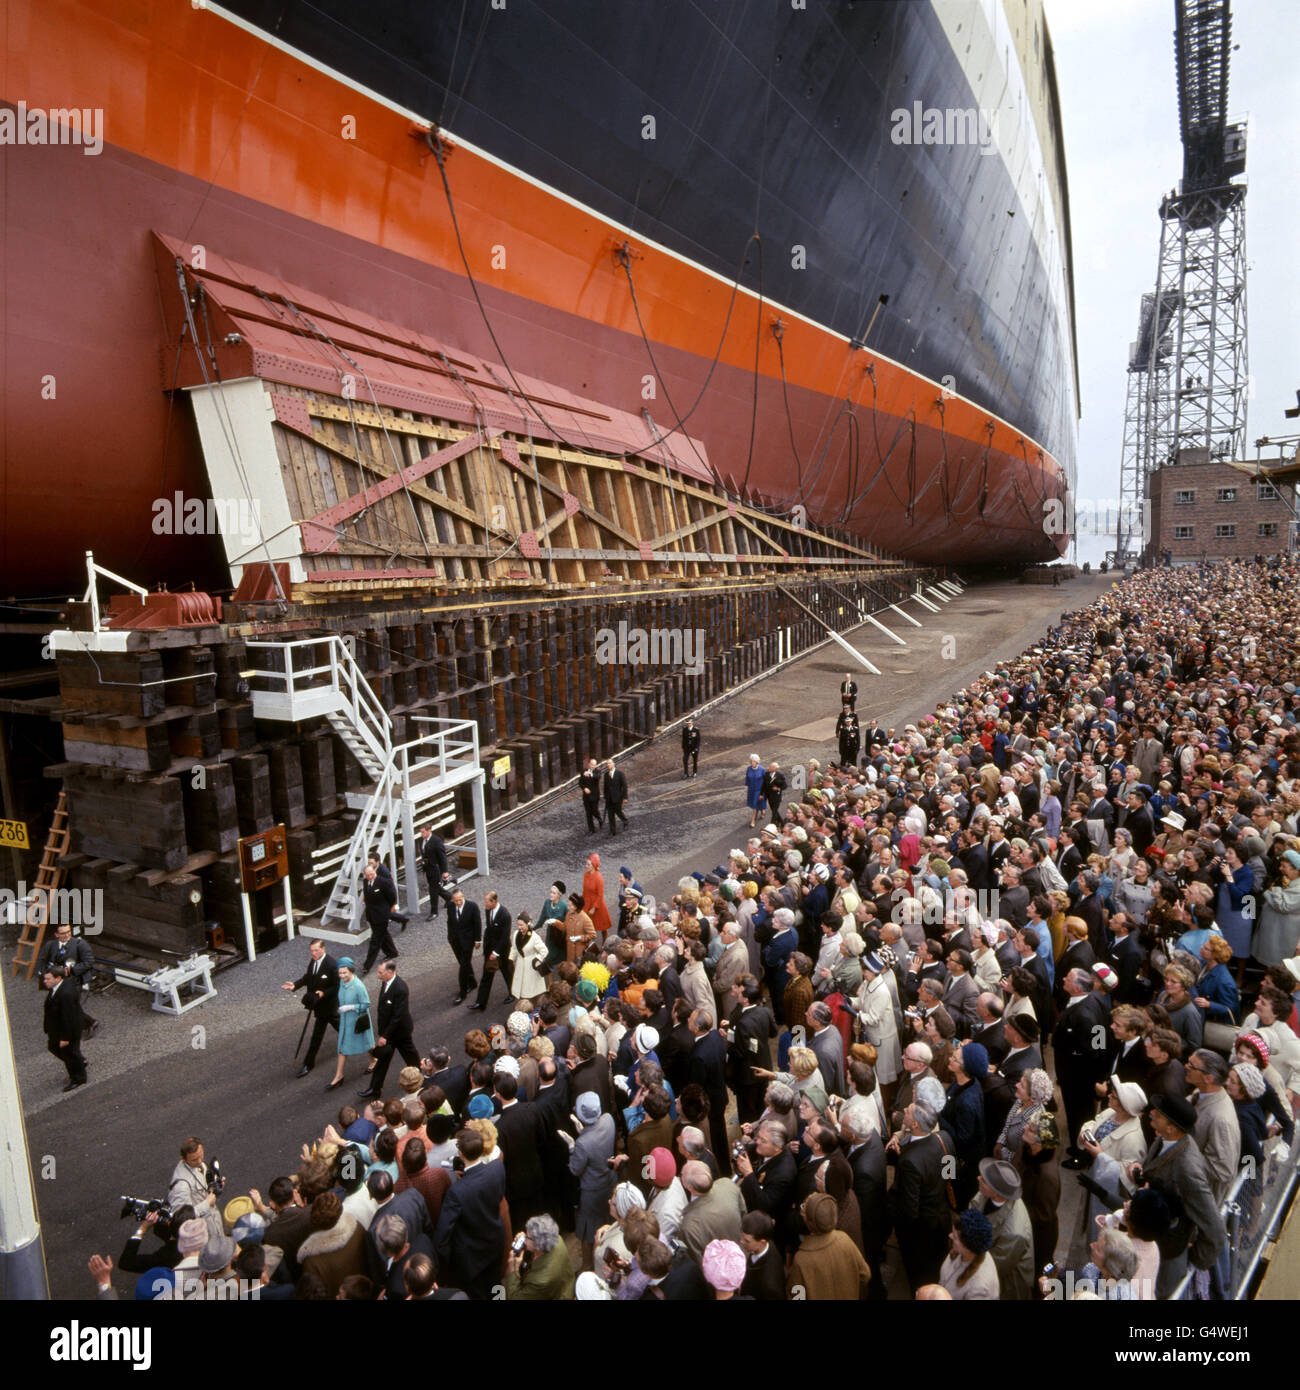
(49, 878)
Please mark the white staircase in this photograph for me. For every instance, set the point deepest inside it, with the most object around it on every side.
(318, 677)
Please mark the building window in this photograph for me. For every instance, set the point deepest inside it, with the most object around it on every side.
(1184, 533)
(1185, 496)
(1224, 533)
(1267, 528)
(1225, 494)
(1265, 492)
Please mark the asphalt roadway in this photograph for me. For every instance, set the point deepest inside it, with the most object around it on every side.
(225, 1071)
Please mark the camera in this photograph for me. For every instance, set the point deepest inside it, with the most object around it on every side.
(140, 1207)
(517, 1245)
(216, 1178)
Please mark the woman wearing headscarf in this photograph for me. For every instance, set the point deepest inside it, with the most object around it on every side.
(1252, 1049)
(550, 923)
(593, 896)
(969, 1273)
(724, 1267)
(356, 1032)
(527, 960)
(827, 1265)
(1033, 1091)
(610, 1248)
(1247, 1088)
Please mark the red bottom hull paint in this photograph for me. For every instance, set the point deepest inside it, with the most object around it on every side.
(90, 437)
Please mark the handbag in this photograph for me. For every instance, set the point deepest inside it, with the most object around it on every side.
(362, 1024)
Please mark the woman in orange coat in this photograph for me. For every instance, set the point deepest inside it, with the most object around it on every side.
(593, 897)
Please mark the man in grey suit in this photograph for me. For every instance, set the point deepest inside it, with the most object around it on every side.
(829, 1047)
(1175, 1166)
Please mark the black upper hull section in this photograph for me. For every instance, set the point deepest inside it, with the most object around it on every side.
(765, 118)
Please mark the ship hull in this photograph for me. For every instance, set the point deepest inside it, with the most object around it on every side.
(884, 453)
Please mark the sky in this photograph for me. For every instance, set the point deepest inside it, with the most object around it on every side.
(1119, 109)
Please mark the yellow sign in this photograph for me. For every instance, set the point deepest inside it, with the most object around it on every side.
(13, 833)
(501, 766)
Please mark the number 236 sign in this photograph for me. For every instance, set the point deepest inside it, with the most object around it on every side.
(13, 833)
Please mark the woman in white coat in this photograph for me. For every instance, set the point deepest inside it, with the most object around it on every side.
(1115, 1139)
(527, 956)
(876, 1023)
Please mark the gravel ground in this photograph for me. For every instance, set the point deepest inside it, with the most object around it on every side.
(225, 1070)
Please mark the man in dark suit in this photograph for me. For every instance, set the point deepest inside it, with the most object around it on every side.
(380, 896)
(918, 1200)
(63, 1021)
(321, 982)
(989, 1031)
(1136, 818)
(768, 1177)
(708, 1068)
(866, 1155)
(974, 858)
(1027, 942)
(464, 931)
(520, 1135)
(589, 782)
(393, 1027)
(1093, 911)
(764, 1267)
(1099, 808)
(71, 957)
(676, 1045)
(828, 1046)
(749, 1047)
(690, 750)
(409, 1204)
(453, 1080)
(1081, 1045)
(395, 1246)
(1024, 1053)
(614, 788)
(496, 943)
(1126, 956)
(437, 873)
(470, 1241)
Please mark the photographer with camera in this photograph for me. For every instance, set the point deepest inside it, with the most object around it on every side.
(196, 1183)
(165, 1222)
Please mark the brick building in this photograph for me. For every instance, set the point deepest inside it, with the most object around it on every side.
(1217, 511)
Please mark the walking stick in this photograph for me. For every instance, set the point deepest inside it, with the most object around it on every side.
(303, 1034)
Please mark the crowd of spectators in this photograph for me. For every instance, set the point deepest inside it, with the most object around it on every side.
(1048, 933)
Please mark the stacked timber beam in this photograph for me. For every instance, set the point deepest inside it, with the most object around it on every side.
(166, 767)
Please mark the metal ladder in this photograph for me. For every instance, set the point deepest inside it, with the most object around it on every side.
(49, 879)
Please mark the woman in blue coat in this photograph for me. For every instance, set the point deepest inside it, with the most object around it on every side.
(754, 787)
(354, 1004)
(1216, 990)
(1235, 910)
(962, 1121)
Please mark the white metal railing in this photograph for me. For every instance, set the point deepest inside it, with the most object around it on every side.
(406, 773)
